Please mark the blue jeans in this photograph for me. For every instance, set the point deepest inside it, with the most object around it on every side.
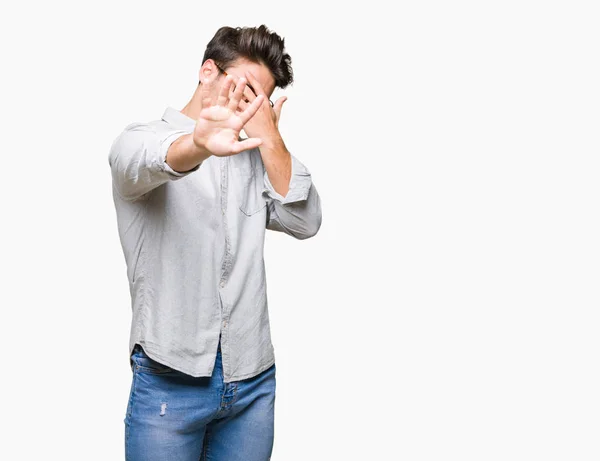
(172, 416)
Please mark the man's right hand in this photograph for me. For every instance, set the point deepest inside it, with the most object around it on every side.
(218, 126)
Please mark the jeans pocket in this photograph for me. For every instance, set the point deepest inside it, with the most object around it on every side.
(146, 364)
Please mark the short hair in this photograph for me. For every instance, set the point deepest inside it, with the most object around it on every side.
(256, 44)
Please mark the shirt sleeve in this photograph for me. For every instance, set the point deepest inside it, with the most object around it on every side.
(298, 213)
(299, 187)
(137, 160)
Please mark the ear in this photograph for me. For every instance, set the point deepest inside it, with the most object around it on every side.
(208, 71)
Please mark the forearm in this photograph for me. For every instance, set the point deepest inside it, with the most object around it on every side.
(183, 154)
(298, 212)
(278, 163)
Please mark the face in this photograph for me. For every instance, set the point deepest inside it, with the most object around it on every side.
(211, 72)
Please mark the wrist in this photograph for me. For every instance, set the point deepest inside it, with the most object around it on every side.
(183, 154)
(196, 147)
(272, 140)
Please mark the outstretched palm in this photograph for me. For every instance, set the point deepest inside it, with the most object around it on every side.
(218, 126)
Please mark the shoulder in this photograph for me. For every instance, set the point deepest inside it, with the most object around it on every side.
(143, 126)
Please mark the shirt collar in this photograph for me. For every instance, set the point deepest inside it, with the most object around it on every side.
(178, 119)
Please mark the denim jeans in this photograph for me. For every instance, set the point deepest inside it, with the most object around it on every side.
(172, 416)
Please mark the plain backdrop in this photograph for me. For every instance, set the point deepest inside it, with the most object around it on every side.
(447, 309)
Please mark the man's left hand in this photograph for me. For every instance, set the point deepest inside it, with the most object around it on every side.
(265, 122)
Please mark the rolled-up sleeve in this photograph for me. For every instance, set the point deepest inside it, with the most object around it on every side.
(298, 213)
(137, 160)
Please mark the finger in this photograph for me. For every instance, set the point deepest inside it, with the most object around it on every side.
(236, 96)
(251, 109)
(250, 91)
(246, 144)
(278, 105)
(206, 97)
(243, 105)
(224, 92)
(245, 101)
(249, 96)
(255, 83)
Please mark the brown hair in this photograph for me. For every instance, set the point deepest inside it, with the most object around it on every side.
(256, 44)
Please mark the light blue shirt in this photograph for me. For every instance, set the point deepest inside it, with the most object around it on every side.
(193, 245)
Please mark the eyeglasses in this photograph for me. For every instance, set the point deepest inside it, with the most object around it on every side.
(247, 84)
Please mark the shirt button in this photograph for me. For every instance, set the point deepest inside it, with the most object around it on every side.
(222, 284)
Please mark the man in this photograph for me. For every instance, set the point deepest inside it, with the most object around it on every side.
(193, 200)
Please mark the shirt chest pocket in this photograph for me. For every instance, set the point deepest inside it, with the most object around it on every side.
(248, 190)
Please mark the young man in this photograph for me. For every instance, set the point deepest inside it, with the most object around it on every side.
(193, 201)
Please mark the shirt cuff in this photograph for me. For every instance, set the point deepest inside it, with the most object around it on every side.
(299, 186)
(161, 162)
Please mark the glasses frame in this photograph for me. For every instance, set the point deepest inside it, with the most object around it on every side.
(247, 84)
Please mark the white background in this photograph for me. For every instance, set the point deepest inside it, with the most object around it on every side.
(447, 309)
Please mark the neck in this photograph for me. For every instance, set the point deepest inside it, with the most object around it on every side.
(194, 106)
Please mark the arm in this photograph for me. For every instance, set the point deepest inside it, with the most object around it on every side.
(138, 159)
(298, 213)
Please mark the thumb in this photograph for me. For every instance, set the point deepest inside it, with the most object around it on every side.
(278, 105)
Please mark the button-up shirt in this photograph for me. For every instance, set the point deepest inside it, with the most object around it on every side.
(193, 245)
